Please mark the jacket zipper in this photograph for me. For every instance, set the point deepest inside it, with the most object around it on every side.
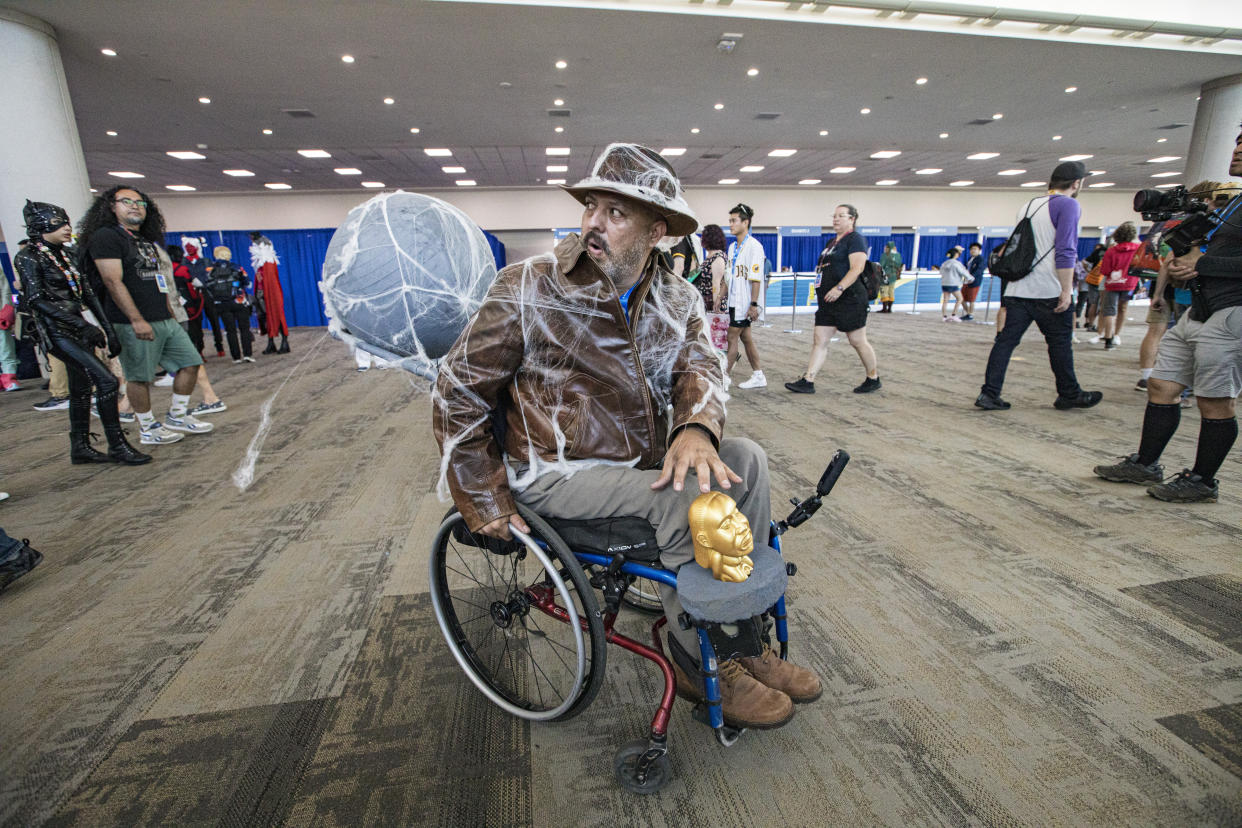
(638, 363)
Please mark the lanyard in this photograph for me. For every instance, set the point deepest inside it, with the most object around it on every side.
(1230, 209)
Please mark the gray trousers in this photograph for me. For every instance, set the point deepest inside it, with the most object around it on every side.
(618, 491)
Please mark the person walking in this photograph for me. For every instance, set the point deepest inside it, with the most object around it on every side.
(226, 285)
(892, 265)
(1043, 295)
(746, 280)
(1118, 284)
(970, 289)
(953, 275)
(842, 303)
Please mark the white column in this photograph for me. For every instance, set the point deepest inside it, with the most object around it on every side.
(1215, 132)
(40, 154)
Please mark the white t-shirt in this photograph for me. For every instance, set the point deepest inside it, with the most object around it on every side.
(745, 267)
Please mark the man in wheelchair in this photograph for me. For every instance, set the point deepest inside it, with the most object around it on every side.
(608, 391)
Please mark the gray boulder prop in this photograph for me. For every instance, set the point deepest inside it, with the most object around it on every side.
(402, 276)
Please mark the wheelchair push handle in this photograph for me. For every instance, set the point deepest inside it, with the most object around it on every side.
(803, 510)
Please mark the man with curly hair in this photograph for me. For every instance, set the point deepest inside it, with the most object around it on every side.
(119, 236)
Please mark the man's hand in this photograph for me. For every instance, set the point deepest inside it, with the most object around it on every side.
(143, 330)
(752, 314)
(499, 528)
(1158, 304)
(1183, 267)
(1064, 302)
(692, 447)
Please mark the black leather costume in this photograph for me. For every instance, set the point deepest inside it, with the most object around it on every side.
(57, 294)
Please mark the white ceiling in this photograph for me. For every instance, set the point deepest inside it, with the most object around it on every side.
(630, 76)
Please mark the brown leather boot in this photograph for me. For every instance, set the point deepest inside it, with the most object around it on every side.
(743, 700)
(770, 670)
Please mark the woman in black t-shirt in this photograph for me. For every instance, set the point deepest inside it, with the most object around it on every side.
(842, 302)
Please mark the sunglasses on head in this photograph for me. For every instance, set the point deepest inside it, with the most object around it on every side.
(743, 211)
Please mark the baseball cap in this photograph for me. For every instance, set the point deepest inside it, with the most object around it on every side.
(1070, 171)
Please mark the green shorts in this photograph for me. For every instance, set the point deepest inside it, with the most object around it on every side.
(171, 348)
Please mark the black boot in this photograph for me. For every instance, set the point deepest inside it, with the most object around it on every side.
(284, 345)
(80, 450)
(119, 449)
(271, 346)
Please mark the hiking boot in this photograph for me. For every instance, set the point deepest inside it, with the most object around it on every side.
(1187, 487)
(868, 385)
(770, 670)
(989, 403)
(757, 380)
(1130, 470)
(801, 386)
(743, 700)
(1085, 399)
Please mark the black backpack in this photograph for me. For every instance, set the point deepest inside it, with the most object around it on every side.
(872, 277)
(1015, 259)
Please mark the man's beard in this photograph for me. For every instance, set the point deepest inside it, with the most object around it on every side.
(621, 266)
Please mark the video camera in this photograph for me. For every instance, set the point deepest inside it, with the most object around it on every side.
(1189, 220)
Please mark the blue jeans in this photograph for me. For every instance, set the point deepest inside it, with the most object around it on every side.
(1057, 329)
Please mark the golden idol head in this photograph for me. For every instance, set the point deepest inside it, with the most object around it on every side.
(722, 538)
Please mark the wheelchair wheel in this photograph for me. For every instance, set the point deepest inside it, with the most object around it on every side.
(487, 596)
(644, 596)
(640, 770)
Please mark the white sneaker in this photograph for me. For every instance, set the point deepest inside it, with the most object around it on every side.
(953, 319)
(157, 435)
(208, 408)
(757, 380)
(1116, 340)
(187, 424)
(1095, 340)
(1074, 339)
(164, 381)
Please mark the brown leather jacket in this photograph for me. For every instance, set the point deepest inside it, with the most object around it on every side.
(550, 346)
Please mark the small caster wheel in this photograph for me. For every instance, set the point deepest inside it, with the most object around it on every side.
(728, 736)
(640, 768)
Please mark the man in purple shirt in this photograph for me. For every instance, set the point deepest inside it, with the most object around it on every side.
(1043, 295)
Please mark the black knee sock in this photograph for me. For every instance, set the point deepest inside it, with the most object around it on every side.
(1159, 423)
(1215, 439)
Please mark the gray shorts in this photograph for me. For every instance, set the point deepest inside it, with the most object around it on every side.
(1110, 300)
(1205, 356)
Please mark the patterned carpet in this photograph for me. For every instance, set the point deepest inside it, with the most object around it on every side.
(1004, 639)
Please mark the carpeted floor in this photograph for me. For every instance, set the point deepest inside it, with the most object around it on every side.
(1004, 639)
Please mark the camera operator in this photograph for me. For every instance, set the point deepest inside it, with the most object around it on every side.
(1203, 351)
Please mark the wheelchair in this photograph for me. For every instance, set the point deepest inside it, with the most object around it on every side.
(522, 619)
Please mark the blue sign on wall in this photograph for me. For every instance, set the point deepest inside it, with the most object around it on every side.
(875, 230)
(561, 232)
(800, 230)
(937, 231)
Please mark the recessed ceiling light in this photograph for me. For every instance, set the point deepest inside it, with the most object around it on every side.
(347, 58)
(559, 102)
(556, 151)
(1075, 157)
(886, 154)
(347, 171)
(842, 170)
(438, 152)
(179, 188)
(1159, 186)
(694, 130)
(314, 153)
(1102, 184)
(278, 185)
(982, 156)
(928, 171)
(1069, 90)
(556, 181)
(454, 170)
(1097, 172)
(886, 182)
(108, 52)
(781, 153)
(560, 64)
(751, 168)
(1011, 172)
(944, 135)
(1162, 159)
(727, 181)
(559, 129)
(415, 130)
(809, 181)
(552, 168)
(111, 133)
(1165, 174)
(238, 173)
(267, 132)
(373, 185)
(673, 151)
(960, 183)
(822, 133)
(389, 101)
(465, 182)
(186, 155)
(998, 116)
(720, 106)
(1056, 137)
(921, 81)
(752, 71)
(125, 174)
(865, 111)
(204, 100)
(1032, 184)
(1161, 140)
(93, 190)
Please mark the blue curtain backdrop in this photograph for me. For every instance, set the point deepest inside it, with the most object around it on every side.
(932, 250)
(801, 253)
(6, 261)
(1086, 245)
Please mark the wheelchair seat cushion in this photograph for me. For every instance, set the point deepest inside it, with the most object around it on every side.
(632, 537)
(707, 599)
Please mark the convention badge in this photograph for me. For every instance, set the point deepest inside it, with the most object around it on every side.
(161, 282)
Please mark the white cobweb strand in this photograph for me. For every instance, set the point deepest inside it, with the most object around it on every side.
(551, 309)
(244, 475)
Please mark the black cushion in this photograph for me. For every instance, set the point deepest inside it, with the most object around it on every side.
(633, 537)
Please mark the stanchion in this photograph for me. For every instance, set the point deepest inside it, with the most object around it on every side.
(914, 302)
(987, 310)
(793, 313)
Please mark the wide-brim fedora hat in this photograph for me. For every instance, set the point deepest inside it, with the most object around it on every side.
(640, 173)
